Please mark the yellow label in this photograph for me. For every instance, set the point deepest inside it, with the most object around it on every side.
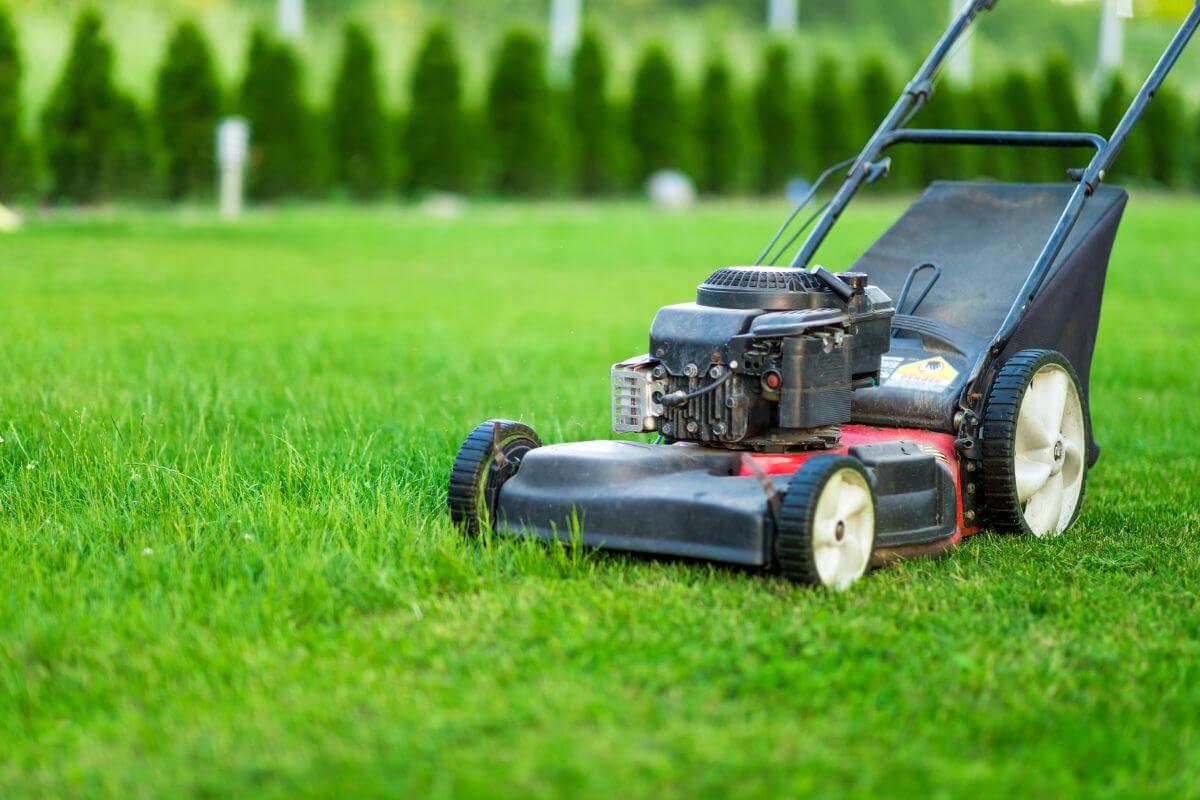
(932, 374)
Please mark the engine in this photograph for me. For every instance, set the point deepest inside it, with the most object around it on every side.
(766, 359)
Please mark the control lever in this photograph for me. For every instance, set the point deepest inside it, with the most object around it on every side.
(835, 284)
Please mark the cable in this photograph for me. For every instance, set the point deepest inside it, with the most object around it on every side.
(796, 236)
(676, 399)
(800, 207)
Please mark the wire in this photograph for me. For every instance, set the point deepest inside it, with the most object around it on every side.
(796, 236)
(800, 207)
(676, 399)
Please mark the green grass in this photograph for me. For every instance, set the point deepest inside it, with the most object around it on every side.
(227, 571)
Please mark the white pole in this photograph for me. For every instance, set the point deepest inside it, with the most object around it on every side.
(961, 67)
(566, 17)
(291, 19)
(233, 148)
(1111, 51)
(782, 15)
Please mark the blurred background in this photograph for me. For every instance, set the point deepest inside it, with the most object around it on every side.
(372, 100)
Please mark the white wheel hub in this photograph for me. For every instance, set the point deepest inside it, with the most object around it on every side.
(843, 529)
(1049, 452)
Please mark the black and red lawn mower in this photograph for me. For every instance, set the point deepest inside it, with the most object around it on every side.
(809, 424)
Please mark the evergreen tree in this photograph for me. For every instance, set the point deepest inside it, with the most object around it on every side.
(188, 104)
(1162, 130)
(654, 115)
(272, 99)
(1062, 112)
(774, 106)
(1021, 101)
(357, 119)
(590, 117)
(718, 137)
(947, 109)
(833, 138)
(15, 173)
(1133, 160)
(518, 111)
(435, 133)
(134, 162)
(76, 122)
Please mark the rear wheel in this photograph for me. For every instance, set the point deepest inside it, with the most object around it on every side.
(826, 531)
(491, 454)
(1034, 445)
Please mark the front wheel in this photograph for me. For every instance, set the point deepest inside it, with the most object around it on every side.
(491, 454)
(1034, 445)
(826, 531)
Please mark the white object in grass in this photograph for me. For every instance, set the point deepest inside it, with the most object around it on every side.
(1050, 448)
(671, 190)
(233, 150)
(10, 220)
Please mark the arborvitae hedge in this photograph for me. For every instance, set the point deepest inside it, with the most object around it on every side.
(15, 174)
(1133, 161)
(272, 99)
(1062, 113)
(948, 108)
(591, 122)
(77, 121)
(720, 154)
(833, 134)
(518, 109)
(357, 119)
(655, 132)
(1024, 109)
(775, 104)
(435, 133)
(187, 106)
(1163, 129)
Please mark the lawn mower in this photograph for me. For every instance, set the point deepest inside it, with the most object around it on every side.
(808, 423)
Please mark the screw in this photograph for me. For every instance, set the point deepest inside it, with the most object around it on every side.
(970, 488)
(692, 426)
(970, 466)
(667, 429)
(716, 372)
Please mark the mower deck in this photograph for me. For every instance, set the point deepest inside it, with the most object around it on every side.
(707, 503)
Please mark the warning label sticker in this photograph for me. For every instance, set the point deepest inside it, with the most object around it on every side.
(929, 375)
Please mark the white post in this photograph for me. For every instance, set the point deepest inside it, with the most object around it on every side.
(1111, 51)
(291, 19)
(782, 15)
(233, 148)
(566, 17)
(960, 68)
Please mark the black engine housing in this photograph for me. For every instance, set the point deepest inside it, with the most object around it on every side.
(796, 350)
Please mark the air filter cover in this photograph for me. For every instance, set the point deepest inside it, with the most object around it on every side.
(768, 288)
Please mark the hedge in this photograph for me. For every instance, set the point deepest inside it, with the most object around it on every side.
(96, 143)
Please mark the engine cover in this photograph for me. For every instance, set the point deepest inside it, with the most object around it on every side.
(766, 359)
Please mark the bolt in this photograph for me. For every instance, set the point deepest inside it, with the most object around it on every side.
(667, 429)
(840, 532)
(660, 352)
(969, 515)
(716, 372)
(692, 426)
(691, 370)
(1058, 450)
(970, 488)
(720, 429)
(970, 466)
(660, 371)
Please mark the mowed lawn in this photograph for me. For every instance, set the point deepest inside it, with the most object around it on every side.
(225, 567)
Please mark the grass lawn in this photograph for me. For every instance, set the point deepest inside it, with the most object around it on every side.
(227, 570)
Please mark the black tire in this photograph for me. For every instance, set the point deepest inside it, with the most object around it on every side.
(476, 477)
(795, 543)
(1003, 509)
